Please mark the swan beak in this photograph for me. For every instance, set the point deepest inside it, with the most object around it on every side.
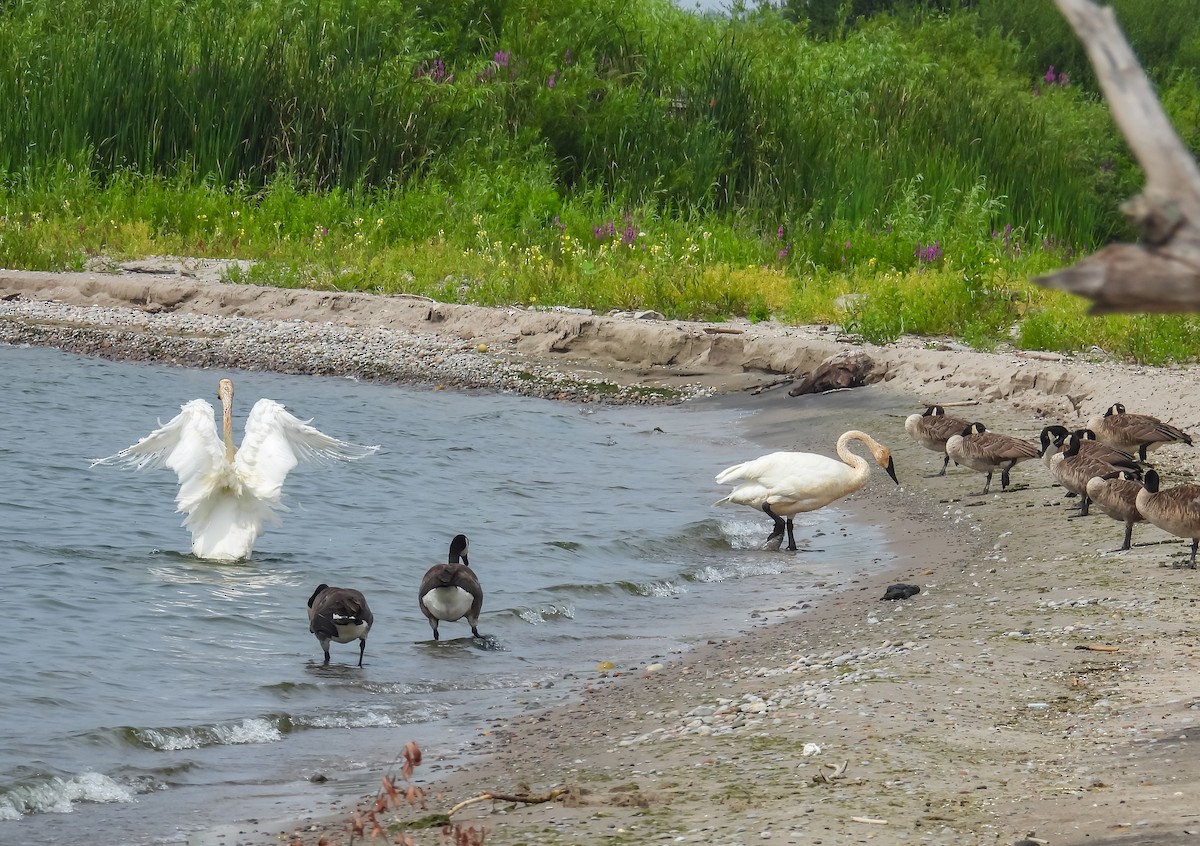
(891, 470)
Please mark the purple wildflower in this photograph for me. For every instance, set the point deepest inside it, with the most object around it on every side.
(550, 81)
(928, 253)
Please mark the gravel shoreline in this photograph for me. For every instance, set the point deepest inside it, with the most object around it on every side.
(304, 348)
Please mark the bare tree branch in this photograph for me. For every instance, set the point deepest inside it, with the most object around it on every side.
(1162, 273)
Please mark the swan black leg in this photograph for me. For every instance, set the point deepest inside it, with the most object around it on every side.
(791, 537)
(779, 529)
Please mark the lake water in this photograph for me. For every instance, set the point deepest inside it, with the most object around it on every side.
(146, 693)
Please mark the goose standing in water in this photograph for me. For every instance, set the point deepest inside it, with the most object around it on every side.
(933, 428)
(229, 493)
(783, 484)
(987, 452)
(451, 591)
(339, 614)
(1116, 495)
(1135, 433)
(1175, 510)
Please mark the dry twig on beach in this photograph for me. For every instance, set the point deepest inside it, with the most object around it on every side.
(526, 798)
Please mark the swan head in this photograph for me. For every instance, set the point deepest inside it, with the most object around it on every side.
(883, 457)
(225, 395)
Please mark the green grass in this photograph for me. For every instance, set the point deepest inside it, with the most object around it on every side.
(901, 173)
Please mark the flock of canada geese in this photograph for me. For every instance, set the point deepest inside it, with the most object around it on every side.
(1106, 463)
(230, 493)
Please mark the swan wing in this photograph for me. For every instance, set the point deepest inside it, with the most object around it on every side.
(188, 444)
(275, 441)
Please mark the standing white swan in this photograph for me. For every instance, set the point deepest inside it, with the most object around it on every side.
(229, 494)
(783, 484)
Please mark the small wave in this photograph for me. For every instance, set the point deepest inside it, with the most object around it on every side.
(546, 613)
(366, 719)
(250, 730)
(60, 795)
(735, 570)
(660, 588)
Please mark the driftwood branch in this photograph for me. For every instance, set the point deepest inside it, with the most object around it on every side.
(1162, 272)
(527, 798)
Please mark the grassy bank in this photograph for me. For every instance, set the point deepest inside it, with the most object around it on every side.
(907, 173)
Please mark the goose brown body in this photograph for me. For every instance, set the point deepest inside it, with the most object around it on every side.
(341, 615)
(933, 428)
(1175, 510)
(1116, 495)
(1073, 470)
(451, 591)
(1139, 434)
(987, 452)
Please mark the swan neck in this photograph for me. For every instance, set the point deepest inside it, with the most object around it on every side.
(227, 422)
(860, 465)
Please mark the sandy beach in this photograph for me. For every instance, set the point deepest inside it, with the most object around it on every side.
(1039, 686)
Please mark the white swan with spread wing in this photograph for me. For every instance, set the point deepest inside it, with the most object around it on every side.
(230, 494)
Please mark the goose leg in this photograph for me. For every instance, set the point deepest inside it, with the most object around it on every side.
(475, 632)
(362, 647)
(1004, 477)
(986, 485)
(325, 646)
(945, 464)
(1128, 535)
(1192, 561)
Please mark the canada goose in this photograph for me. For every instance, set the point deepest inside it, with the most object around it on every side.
(1135, 433)
(784, 484)
(1175, 510)
(986, 452)
(230, 493)
(933, 428)
(339, 614)
(1073, 470)
(450, 591)
(1054, 440)
(1116, 495)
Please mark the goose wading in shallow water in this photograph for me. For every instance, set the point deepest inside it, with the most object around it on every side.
(933, 428)
(339, 614)
(987, 452)
(783, 484)
(450, 591)
(228, 493)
